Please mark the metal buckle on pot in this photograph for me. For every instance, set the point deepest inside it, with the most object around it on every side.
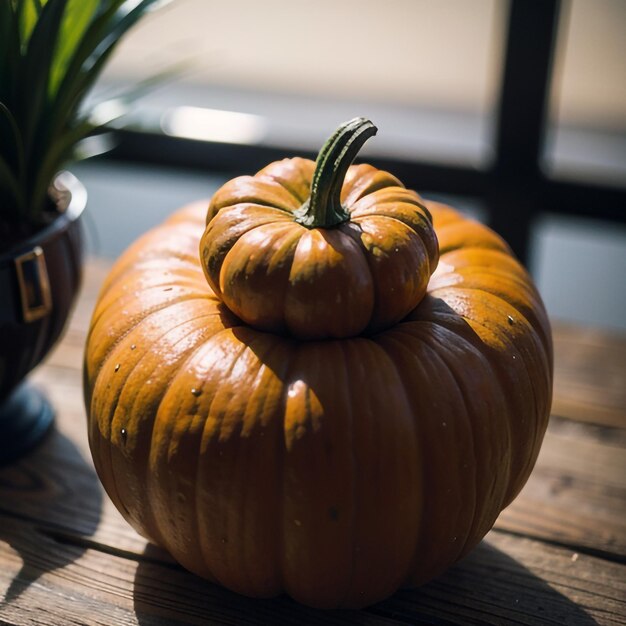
(32, 278)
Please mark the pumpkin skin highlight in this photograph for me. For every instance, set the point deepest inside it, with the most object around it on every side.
(335, 471)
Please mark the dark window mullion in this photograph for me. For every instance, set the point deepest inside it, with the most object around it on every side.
(521, 120)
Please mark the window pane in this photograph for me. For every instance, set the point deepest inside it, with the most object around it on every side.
(588, 104)
(306, 65)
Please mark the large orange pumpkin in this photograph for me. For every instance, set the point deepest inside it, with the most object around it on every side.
(363, 426)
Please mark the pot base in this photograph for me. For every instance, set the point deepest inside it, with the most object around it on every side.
(25, 418)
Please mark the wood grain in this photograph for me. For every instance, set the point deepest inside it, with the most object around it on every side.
(576, 495)
(590, 375)
(506, 580)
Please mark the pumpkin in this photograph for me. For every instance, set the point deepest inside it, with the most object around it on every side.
(319, 254)
(327, 386)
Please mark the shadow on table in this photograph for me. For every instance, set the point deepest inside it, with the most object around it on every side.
(49, 499)
(486, 587)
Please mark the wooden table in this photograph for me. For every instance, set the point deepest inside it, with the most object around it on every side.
(557, 555)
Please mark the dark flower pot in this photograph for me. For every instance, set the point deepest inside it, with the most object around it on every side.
(39, 280)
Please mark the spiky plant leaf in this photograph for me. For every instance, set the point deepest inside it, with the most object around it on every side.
(51, 53)
(28, 12)
(35, 69)
(13, 152)
(78, 15)
(9, 50)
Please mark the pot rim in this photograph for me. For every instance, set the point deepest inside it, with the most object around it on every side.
(77, 201)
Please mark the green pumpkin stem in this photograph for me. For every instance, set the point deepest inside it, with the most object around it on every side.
(323, 209)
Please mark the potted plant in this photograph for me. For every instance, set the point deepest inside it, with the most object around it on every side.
(51, 52)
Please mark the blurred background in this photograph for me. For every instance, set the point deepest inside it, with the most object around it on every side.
(512, 111)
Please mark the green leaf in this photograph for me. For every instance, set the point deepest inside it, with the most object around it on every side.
(51, 53)
(11, 141)
(9, 51)
(84, 48)
(56, 157)
(28, 12)
(78, 15)
(9, 184)
(35, 73)
(98, 42)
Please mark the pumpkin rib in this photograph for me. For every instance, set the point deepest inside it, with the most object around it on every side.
(539, 361)
(477, 257)
(486, 291)
(419, 465)
(537, 324)
(514, 274)
(243, 349)
(213, 255)
(399, 339)
(199, 479)
(150, 264)
(385, 200)
(391, 201)
(467, 234)
(119, 344)
(482, 520)
(113, 298)
(366, 180)
(249, 189)
(318, 473)
(483, 278)
(355, 505)
(114, 402)
(408, 470)
(281, 354)
(149, 508)
(265, 354)
(487, 299)
(330, 292)
(430, 246)
(280, 517)
(388, 201)
(165, 241)
(147, 317)
(302, 177)
(443, 214)
(141, 317)
(211, 530)
(199, 482)
(535, 420)
(281, 240)
(384, 287)
(537, 401)
(483, 523)
(151, 273)
(544, 365)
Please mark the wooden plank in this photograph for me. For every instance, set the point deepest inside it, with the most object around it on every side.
(512, 580)
(49, 582)
(589, 375)
(506, 580)
(56, 488)
(576, 495)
